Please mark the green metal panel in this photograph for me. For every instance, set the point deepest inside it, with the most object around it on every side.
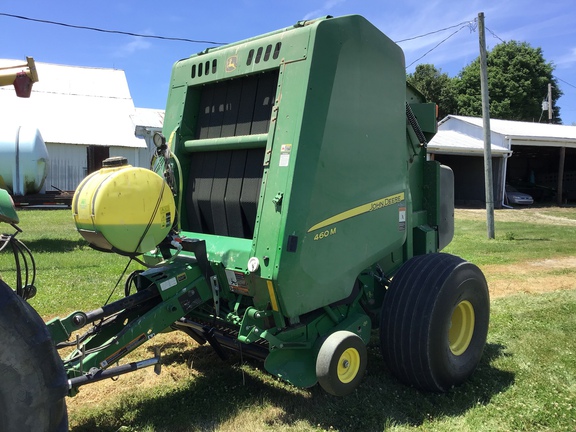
(426, 115)
(182, 289)
(335, 192)
(304, 188)
(339, 161)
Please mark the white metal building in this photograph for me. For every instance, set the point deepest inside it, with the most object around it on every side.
(148, 121)
(527, 155)
(84, 116)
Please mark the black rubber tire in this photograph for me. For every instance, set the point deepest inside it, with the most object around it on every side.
(341, 363)
(33, 383)
(416, 321)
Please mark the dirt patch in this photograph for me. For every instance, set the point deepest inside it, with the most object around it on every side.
(539, 215)
(531, 277)
(173, 370)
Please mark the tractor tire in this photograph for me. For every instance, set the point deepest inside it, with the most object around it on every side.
(434, 321)
(341, 363)
(33, 383)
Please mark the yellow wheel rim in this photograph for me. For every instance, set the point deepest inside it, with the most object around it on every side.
(461, 327)
(348, 365)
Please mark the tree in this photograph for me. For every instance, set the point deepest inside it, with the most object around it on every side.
(436, 87)
(518, 78)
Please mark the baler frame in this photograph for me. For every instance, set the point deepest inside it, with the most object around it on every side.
(284, 247)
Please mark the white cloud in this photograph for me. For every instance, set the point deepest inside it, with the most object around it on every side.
(567, 60)
(324, 10)
(136, 44)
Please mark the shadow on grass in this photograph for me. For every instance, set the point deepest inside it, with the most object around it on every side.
(55, 245)
(531, 239)
(222, 390)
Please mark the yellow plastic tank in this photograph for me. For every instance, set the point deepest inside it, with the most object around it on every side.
(123, 209)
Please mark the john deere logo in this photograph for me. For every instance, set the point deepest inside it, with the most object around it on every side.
(231, 63)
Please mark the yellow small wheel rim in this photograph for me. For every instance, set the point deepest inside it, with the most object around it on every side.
(461, 327)
(348, 365)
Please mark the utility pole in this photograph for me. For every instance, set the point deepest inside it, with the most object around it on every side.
(549, 102)
(562, 153)
(488, 183)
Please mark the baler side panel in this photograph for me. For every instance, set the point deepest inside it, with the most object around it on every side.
(347, 202)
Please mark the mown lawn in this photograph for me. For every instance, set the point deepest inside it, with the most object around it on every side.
(526, 380)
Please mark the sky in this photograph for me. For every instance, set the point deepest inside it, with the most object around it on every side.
(451, 43)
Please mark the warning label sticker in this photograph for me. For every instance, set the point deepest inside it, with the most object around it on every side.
(237, 281)
(402, 218)
(123, 351)
(166, 217)
(285, 154)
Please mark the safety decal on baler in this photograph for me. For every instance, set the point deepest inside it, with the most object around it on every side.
(402, 218)
(167, 284)
(124, 350)
(364, 208)
(237, 281)
(285, 151)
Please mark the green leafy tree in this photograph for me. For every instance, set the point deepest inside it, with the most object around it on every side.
(436, 87)
(518, 77)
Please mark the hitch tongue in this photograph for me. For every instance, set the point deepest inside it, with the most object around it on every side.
(157, 366)
(95, 374)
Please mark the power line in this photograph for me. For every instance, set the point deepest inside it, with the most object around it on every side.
(110, 31)
(101, 30)
(463, 24)
(565, 82)
(437, 45)
(556, 77)
(432, 32)
(469, 24)
(495, 35)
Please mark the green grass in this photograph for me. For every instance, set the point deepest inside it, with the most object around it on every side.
(70, 274)
(526, 380)
(568, 213)
(514, 242)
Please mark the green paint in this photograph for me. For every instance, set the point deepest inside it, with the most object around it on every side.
(7, 210)
(342, 182)
(319, 110)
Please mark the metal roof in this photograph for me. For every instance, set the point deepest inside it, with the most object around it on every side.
(75, 105)
(525, 133)
(149, 118)
(457, 143)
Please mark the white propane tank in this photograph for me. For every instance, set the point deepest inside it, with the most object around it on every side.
(23, 160)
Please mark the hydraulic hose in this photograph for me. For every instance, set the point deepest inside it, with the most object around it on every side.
(24, 263)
